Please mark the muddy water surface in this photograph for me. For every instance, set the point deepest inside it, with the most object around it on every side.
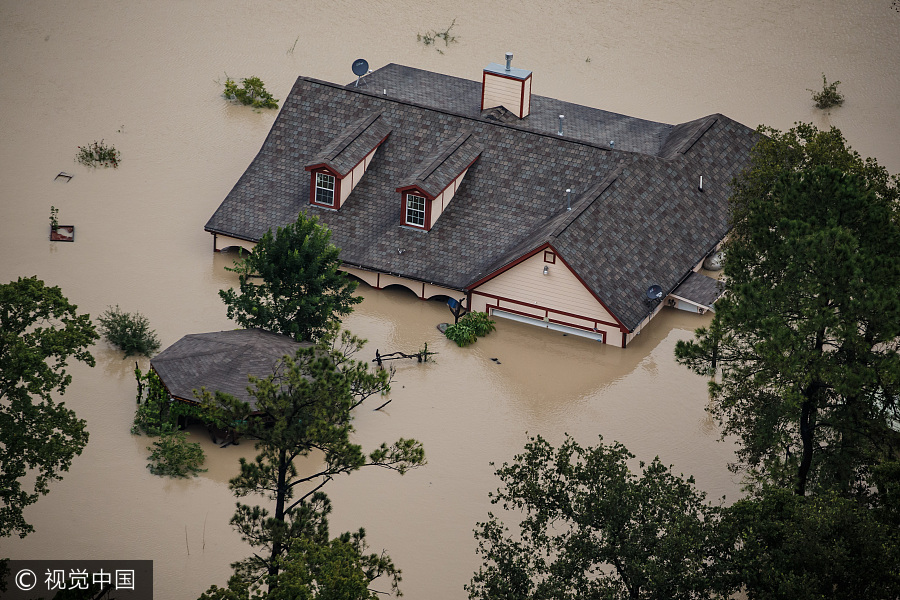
(147, 77)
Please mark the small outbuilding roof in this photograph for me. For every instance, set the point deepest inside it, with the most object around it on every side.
(699, 289)
(221, 361)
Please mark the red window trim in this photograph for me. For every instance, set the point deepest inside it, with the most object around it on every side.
(337, 188)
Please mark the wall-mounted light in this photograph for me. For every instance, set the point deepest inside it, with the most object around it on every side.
(546, 270)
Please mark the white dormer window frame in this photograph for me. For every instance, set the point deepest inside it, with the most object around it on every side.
(325, 189)
(414, 213)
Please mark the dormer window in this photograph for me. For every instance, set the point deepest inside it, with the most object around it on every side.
(337, 169)
(430, 188)
(415, 211)
(324, 189)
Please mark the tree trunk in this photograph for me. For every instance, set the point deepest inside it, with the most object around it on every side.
(277, 545)
(807, 421)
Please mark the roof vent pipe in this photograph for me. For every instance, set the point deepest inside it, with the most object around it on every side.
(701, 183)
(508, 61)
(568, 199)
(561, 117)
(612, 143)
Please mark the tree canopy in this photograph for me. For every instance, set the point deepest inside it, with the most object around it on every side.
(301, 288)
(593, 529)
(305, 407)
(803, 347)
(40, 331)
(781, 545)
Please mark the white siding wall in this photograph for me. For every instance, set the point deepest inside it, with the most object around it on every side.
(526, 105)
(370, 277)
(502, 91)
(421, 289)
(549, 296)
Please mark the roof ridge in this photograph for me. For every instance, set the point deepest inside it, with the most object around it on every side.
(351, 134)
(477, 119)
(587, 199)
(710, 120)
(440, 159)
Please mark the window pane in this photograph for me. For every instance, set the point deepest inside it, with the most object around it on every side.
(324, 189)
(415, 210)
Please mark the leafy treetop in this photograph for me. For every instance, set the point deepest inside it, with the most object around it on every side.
(301, 288)
(804, 346)
(303, 408)
(40, 331)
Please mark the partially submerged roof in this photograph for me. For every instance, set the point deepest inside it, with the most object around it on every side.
(700, 290)
(637, 216)
(221, 361)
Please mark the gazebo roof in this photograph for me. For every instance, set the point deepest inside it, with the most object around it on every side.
(221, 361)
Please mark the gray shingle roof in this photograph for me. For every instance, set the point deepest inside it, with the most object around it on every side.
(349, 148)
(439, 170)
(637, 217)
(700, 289)
(220, 361)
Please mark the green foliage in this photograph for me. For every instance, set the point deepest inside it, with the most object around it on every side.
(804, 346)
(54, 222)
(469, 328)
(829, 96)
(480, 322)
(98, 154)
(156, 412)
(251, 91)
(173, 456)
(461, 334)
(307, 405)
(781, 545)
(129, 332)
(594, 529)
(39, 332)
(431, 37)
(302, 289)
(316, 567)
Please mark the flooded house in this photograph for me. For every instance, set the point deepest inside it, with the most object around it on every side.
(529, 208)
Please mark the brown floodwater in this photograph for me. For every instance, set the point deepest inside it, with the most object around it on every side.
(147, 77)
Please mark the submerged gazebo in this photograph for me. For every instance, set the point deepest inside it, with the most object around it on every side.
(220, 361)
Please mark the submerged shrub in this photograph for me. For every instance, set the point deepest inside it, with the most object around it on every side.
(98, 154)
(250, 91)
(829, 96)
(173, 456)
(129, 332)
(469, 328)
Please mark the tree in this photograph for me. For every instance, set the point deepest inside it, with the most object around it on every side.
(304, 407)
(803, 347)
(39, 332)
(594, 529)
(781, 545)
(301, 291)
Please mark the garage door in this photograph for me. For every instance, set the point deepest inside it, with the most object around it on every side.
(594, 335)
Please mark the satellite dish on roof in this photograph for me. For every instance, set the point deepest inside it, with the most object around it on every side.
(360, 67)
(654, 292)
